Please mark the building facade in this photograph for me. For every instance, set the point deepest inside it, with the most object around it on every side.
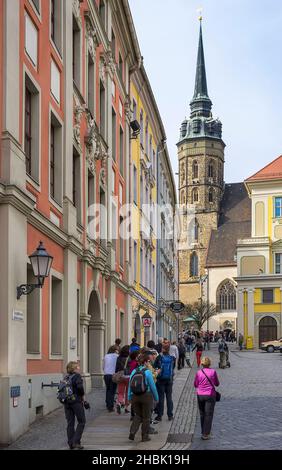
(65, 146)
(259, 257)
(152, 188)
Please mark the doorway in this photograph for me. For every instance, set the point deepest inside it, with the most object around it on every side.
(267, 329)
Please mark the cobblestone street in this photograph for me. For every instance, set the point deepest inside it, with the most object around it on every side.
(249, 413)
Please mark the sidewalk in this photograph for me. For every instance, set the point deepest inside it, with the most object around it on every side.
(110, 431)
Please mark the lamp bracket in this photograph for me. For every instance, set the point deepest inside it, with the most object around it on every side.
(26, 289)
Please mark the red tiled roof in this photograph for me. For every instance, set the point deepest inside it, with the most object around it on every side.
(271, 171)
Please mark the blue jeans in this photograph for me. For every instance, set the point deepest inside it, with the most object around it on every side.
(164, 388)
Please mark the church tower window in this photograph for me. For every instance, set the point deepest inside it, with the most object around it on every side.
(211, 170)
(226, 296)
(195, 170)
(211, 195)
(194, 265)
(195, 195)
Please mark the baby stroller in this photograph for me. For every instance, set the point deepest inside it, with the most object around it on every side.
(227, 359)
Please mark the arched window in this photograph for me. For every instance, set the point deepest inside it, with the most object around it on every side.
(211, 195)
(194, 265)
(211, 169)
(226, 296)
(195, 195)
(196, 230)
(195, 170)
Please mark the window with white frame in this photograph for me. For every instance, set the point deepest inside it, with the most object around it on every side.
(91, 85)
(278, 206)
(56, 157)
(33, 313)
(55, 23)
(135, 260)
(76, 183)
(76, 51)
(56, 316)
(31, 128)
(55, 81)
(31, 40)
(134, 184)
(278, 263)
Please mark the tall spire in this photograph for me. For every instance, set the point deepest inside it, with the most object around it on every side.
(201, 103)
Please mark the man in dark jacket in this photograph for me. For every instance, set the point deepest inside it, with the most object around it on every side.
(75, 409)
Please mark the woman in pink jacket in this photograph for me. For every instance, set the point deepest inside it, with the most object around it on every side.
(205, 382)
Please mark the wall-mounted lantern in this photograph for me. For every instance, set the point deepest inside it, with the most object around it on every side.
(41, 263)
(147, 320)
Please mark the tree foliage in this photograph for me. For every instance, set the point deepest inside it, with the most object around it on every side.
(201, 312)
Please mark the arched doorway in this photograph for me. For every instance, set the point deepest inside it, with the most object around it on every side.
(267, 329)
(95, 339)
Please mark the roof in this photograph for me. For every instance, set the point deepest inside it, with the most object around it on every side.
(234, 224)
(270, 172)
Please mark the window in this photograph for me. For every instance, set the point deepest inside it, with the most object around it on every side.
(153, 279)
(195, 195)
(55, 23)
(267, 296)
(76, 184)
(55, 160)
(141, 192)
(278, 263)
(120, 66)
(146, 140)
(33, 314)
(226, 296)
(76, 51)
(135, 184)
(91, 85)
(154, 162)
(210, 170)
(122, 328)
(102, 110)
(211, 195)
(55, 81)
(114, 134)
(78, 322)
(141, 266)
(102, 12)
(121, 151)
(28, 135)
(113, 45)
(31, 129)
(195, 170)
(36, 3)
(278, 207)
(135, 260)
(194, 268)
(134, 116)
(56, 317)
(141, 128)
(31, 40)
(121, 242)
(90, 204)
(196, 231)
(103, 218)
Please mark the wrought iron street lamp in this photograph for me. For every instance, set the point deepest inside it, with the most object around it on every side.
(147, 320)
(41, 263)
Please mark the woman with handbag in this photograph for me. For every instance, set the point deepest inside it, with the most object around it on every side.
(122, 388)
(205, 382)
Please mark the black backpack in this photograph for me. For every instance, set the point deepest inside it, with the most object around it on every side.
(138, 384)
(65, 392)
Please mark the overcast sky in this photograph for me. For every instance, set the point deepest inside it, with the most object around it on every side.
(243, 53)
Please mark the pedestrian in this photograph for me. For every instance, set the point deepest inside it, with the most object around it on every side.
(199, 351)
(134, 346)
(205, 382)
(75, 407)
(165, 363)
(118, 344)
(109, 367)
(240, 341)
(181, 354)
(173, 351)
(189, 342)
(141, 392)
(122, 388)
(222, 348)
(152, 346)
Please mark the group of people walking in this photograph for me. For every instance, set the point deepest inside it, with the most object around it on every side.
(138, 380)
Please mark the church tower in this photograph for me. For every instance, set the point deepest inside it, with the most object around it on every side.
(201, 180)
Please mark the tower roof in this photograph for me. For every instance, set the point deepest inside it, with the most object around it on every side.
(201, 88)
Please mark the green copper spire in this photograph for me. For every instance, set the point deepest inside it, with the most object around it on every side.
(201, 104)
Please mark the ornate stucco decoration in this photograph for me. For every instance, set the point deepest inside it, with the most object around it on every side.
(95, 148)
(92, 39)
(78, 111)
(76, 11)
(127, 107)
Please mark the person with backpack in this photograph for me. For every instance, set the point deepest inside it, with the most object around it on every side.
(109, 367)
(165, 363)
(141, 393)
(71, 395)
(205, 382)
(222, 349)
(199, 351)
(122, 388)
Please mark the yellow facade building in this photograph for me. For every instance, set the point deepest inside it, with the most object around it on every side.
(259, 260)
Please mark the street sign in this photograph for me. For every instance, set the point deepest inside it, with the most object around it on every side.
(177, 307)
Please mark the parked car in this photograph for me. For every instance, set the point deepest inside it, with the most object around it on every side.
(271, 346)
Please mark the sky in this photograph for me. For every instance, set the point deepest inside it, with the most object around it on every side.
(242, 43)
